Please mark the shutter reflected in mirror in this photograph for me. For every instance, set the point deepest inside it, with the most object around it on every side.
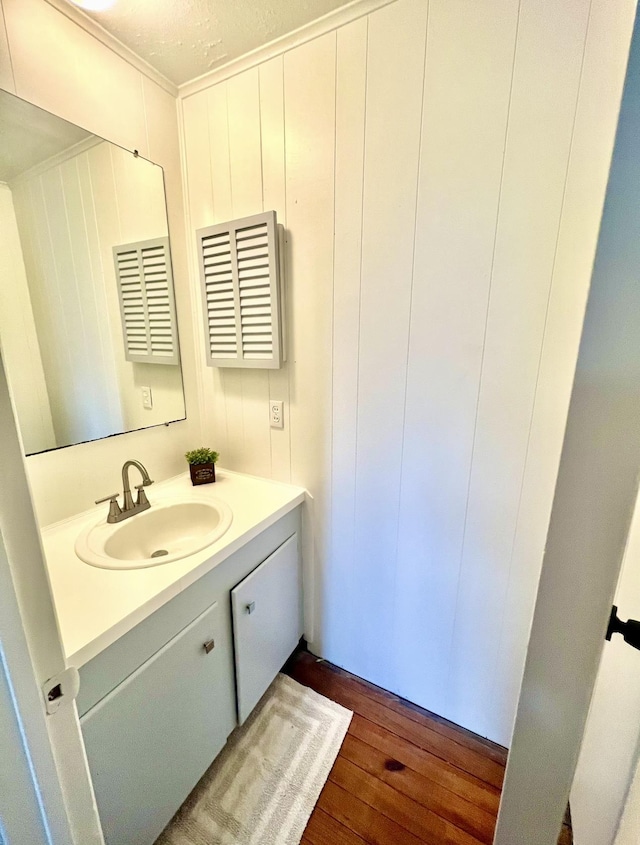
(147, 307)
(240, 275)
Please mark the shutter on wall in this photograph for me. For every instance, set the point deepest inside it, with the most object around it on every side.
(240, 276)
(147, 308)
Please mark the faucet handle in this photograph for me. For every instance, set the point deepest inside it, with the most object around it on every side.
(142, 496)
(112, 498)
(114, 508)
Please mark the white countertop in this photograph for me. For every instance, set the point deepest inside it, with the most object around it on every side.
(97, 606)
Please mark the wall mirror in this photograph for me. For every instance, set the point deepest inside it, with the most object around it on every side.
(88, 330)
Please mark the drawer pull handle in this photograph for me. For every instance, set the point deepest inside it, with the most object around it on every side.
(209, 646)
(250, 607)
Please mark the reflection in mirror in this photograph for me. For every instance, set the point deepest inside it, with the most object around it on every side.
(87, 319)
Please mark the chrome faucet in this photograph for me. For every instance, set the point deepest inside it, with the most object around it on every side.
(129, 507)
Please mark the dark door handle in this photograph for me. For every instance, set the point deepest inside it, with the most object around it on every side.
(630, 629)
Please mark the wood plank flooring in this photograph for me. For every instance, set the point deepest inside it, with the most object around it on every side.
(404, 776)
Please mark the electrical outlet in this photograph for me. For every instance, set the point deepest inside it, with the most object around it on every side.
(276, 413)
(147, 399)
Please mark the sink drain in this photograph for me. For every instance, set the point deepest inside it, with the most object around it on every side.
(160, 553)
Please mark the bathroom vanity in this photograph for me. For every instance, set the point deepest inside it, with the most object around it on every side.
(173, 657)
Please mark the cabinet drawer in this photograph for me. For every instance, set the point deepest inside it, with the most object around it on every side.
(267, 623)
(151, 739)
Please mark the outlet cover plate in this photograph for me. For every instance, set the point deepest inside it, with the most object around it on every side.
(276, 413)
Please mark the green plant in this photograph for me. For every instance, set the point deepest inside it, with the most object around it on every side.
(202, 456)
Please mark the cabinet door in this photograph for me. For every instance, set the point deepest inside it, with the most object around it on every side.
(267, 623)
(151, 739)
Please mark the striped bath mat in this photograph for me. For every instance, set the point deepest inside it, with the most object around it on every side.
(263, 786)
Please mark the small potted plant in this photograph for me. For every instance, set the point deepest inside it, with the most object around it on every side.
(202, 465)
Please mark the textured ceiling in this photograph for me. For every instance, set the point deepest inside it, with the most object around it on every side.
(29, 135)
(186, 38)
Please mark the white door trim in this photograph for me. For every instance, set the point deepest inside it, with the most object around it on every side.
(31, 805)
(30, 640)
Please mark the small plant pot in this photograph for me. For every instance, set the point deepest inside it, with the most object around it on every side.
(202, 473)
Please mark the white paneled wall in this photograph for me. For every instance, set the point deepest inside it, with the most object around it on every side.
(463, 139)
(544, 93)
(440, 168)
(70, 216)
(18, 337)
(229, 124)
(48, 59)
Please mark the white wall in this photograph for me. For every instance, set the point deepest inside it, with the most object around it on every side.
(440, 169)
(20, 347)
(71, 212)
(50, 61)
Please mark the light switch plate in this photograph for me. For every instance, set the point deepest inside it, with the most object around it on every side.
(276, 413)
(147, 398)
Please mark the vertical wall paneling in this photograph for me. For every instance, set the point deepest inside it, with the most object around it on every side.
(100, 195)
(98, 389)
(340, 583)
(161, 121)
(395, 75)
(199, 189)
(95, 269)
(51, 314)
(33, 256)
(464, 124)
(243, 106)
(604, 67)
(219, 152)
(236, 455)
(546, 78)
(21, 352)
(136, 219)
(309, 98)
(422, 159)
(199, 212)
(234, 133)
(64, 279)
(249, 387)
(274, 197)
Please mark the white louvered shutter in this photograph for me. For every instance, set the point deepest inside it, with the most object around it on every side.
(240, 276)
(147, 307)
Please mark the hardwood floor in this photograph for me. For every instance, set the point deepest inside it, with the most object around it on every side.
(404, 776)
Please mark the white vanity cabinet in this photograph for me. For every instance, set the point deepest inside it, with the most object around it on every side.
(267, 623)
(150, 739)
(158, 705)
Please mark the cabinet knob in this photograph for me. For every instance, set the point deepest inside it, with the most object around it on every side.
(250, 607)
(209, 646)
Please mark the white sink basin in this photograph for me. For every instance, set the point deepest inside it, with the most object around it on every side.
(168, 531)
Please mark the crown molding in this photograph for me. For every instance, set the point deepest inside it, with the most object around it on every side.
(75, 14)
(327, 23)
